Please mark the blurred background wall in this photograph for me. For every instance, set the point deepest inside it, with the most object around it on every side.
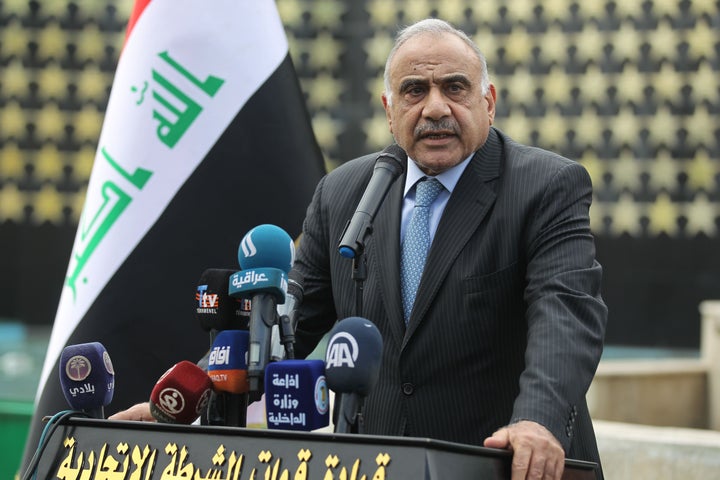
(629, 89)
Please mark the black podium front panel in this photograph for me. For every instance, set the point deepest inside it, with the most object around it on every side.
(86, 449)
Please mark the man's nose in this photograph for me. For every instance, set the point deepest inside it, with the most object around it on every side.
(436, 105)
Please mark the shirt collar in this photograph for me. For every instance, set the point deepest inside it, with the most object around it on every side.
(448, 178)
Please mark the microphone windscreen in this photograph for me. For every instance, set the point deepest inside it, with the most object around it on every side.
(215, 308)
(180, 395)
(266, 246)
(395, 157)
(87, 377)
(294, 296)
(353, 356)
(296, 285)
(296, 395)
(227, 364)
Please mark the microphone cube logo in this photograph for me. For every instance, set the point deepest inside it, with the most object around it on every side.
(202, 403)
(78, 368)
(342, 351)
(322, 397)
(108, 363)
(207, 302)
(171, 401)
(109, 369)
(220, 356)
(244, 307)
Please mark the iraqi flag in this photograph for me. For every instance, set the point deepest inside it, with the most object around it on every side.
(206, 135)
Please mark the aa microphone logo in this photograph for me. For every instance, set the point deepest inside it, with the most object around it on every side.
(342, 351)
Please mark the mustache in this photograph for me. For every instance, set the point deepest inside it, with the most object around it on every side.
(444, 126)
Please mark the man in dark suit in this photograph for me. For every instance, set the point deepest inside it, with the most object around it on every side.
(499, 342)
(506, 329)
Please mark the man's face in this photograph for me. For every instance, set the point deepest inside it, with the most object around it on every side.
(438, 112)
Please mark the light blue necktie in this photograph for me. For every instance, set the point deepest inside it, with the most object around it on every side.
(417, 242)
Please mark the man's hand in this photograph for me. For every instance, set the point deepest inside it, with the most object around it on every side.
(537, 454)
(139, 412)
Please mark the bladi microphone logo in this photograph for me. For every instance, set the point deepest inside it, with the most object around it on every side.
(78, 368)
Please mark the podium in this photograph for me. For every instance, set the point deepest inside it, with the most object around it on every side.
(90, 449)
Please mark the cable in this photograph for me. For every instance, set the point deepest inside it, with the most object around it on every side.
(47, 433)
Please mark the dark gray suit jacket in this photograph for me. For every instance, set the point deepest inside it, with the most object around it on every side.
(508, 322)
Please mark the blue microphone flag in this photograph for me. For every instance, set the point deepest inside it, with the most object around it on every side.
(296, 395)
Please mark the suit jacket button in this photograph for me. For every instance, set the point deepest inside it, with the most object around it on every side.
(408, 388)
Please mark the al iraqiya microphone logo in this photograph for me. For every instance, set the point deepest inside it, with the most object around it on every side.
(78, 368)
(171, 400)
(248, 247)
(342, 351)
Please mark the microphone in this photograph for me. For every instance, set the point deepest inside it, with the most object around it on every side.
(227, 369)
(180, 394)
(388, 167)
(87, 378)
(266, 254)
(283, 337)
(214, 308)
(217, 311)
(352, 367)
(294, 297)
(296, 395)
(227, 364)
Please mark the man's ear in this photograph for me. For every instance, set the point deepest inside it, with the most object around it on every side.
(491, 97)
(388, 115)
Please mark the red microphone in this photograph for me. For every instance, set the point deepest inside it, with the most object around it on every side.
(180, 395)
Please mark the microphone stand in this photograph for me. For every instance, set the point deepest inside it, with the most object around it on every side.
(359, 274)
(227, 409)
(287, 335)
(347, 414)
(357, 253)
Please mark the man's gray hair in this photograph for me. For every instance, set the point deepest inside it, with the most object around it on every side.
(434, 26)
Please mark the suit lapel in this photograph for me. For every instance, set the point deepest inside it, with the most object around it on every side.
(469, 204)
(386, 225)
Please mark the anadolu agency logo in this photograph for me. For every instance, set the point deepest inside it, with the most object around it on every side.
(342, 351)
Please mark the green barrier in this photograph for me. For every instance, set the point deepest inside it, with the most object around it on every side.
(22, 352)
(14, 423)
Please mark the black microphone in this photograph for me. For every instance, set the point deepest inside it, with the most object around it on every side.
(388, 166)
(87, 378)
(266, 255)
(283, 335)
(215, 309)
(352, 367)
(217, 312)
